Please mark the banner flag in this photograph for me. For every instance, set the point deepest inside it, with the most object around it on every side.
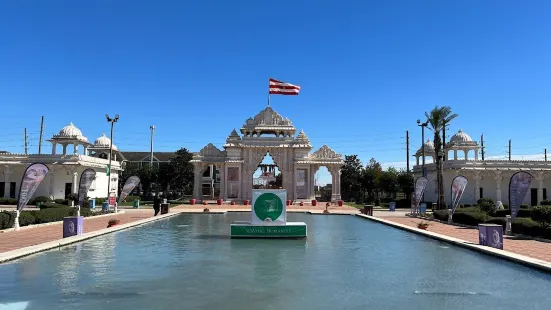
(33, 176)
(128, 187)
(518, 186)
(459, 184)
(420, 185)
(86, 178)
(276, 87)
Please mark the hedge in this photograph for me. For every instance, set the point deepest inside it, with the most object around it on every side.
(41, 216)
(520, 225)
(8, 201)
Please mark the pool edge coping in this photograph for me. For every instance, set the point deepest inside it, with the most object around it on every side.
(510, 256)
(42, 247)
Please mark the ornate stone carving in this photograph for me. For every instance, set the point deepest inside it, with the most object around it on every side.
(326, 152)
(211, 151)
(234, 136)
(268, 117)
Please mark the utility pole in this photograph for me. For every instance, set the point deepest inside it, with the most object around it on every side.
(41, 134)
(509, 150)
(26, 142)
(407, 151)
(152, 127)
(482, 145)
(545, 154)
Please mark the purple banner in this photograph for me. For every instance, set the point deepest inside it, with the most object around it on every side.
(33, 176)
(518, 186)
(86, 178)
(130, 184)
(420, 185)
(458, 187)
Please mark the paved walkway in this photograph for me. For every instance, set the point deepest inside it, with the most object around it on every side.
(527, 247)
(13, 240)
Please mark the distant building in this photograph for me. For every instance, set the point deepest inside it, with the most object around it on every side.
(70, 155)
(487, 178)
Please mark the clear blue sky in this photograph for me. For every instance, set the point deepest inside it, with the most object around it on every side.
(198, 69)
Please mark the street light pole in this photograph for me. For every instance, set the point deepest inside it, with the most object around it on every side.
(423, 125)
(112, 121)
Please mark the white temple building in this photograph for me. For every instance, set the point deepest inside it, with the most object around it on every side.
(266, 133)
(70, 155)
(486, 178)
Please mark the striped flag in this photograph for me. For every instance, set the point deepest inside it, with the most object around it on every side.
(281, 88)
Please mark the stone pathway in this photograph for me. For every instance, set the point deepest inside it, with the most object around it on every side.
(13, 240)
(527, 247)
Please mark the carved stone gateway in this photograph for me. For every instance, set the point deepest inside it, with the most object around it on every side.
(267, 133)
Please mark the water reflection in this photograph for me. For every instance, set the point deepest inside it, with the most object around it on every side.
(188, 262)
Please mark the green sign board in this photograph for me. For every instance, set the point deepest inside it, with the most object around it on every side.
(268, 206)
(297, 230)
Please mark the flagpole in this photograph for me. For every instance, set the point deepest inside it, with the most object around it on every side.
(268, 92)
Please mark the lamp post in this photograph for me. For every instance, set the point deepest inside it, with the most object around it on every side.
(112, 121)
(423, 125)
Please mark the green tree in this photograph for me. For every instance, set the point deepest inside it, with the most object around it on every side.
(148, 178)
(181, 171)
(370, 178)
(405, 183)
(438, 118)
(351, 175)
(389, 181)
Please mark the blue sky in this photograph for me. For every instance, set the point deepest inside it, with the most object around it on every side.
(198, 69)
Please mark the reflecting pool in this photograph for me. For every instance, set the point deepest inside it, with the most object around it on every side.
(188, 262)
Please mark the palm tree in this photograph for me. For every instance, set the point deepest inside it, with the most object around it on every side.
(438, 118)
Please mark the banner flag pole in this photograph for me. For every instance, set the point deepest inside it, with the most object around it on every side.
(268, 92)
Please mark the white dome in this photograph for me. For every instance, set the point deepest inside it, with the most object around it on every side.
(71, 132)
(428, 146)
(461, 139)
(103, 142)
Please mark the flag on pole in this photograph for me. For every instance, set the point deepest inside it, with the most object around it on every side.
(282, 88)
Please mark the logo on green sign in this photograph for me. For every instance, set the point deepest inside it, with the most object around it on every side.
(268, 207)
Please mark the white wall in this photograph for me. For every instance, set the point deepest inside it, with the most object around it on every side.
(61, 176)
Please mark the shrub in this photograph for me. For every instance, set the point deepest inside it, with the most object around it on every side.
(39, 199)
(8, 201)
(525, 206)
(49, 205)
(546, 203)
(485, 200)
(487, 206)
(470, 218)
(441, 215)
(542, 215)
(132, 198)
(505, 212)
(61, 201)
(531, 228)
(72, 197)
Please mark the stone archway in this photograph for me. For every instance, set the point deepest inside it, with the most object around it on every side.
(268, 132)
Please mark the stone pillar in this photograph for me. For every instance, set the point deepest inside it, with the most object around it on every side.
(540, 179)
(54, 145)
(313, 169)
(51, 190)
(75, 181)
(475, 154)
(498, 177)
(477, 178)
(454, 154)
(222, 169)
(197, 178)
(7, 172)
(466, 152)
(417, 160)
(75, 148)
(64, 149)
(338, 181)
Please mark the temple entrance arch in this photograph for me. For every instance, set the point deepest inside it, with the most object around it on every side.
(267, 175)
(268, 133)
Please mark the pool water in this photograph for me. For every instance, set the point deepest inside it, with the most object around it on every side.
(189, 262)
